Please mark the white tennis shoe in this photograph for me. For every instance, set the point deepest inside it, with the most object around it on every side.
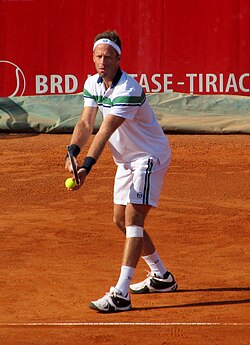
(155, 284)
(111, 302)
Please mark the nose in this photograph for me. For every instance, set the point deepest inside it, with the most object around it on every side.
(102, 60)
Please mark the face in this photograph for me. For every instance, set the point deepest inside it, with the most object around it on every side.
(106, 61)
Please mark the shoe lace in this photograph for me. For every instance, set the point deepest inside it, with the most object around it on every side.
(149, 276)
(111, 293)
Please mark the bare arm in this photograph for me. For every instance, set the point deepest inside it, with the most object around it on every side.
(84, 127)
(109, 125)
(82, 131)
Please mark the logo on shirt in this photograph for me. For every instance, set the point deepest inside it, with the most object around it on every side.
(139, 195)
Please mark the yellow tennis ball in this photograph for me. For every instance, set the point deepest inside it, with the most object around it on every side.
(70, 183)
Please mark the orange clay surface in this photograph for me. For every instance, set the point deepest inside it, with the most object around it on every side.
(59, 249)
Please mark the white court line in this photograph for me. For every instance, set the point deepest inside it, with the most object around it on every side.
(68, 324)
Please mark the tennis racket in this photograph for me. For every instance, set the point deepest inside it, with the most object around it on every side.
(73, 165)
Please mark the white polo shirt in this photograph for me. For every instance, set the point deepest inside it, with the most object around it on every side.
(140, 136)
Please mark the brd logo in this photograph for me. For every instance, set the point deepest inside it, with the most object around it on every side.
(12, 79)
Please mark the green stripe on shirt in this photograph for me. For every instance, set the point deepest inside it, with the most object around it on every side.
(121, 100)
(97, 99)
(129, 100)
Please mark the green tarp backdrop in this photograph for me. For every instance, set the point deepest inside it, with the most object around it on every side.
(175, 112)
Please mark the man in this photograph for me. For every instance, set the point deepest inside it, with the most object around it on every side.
(142, 154)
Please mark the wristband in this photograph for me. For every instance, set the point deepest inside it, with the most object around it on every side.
(74, 149)
(88, 163)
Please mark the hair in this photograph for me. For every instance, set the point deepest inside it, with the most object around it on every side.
(111, 35)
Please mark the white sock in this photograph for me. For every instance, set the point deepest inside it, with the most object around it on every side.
(156, 265)
(124, 279)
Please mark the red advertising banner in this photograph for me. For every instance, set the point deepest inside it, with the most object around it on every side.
(197, 47)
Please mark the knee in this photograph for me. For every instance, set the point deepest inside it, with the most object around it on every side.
(120, 223)
(133, 231)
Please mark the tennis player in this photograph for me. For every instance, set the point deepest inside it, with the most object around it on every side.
(141, 152)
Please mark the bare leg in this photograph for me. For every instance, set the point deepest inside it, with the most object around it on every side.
(133, 215)
(119, 219)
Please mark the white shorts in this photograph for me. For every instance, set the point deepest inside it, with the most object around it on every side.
(139, 182)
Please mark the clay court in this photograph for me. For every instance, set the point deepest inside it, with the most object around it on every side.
(59, 249)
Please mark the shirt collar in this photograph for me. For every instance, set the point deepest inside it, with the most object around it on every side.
(116, 79)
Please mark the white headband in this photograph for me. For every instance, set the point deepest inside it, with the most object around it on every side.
(107, 41)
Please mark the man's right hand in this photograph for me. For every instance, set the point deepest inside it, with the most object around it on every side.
(82, 173)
